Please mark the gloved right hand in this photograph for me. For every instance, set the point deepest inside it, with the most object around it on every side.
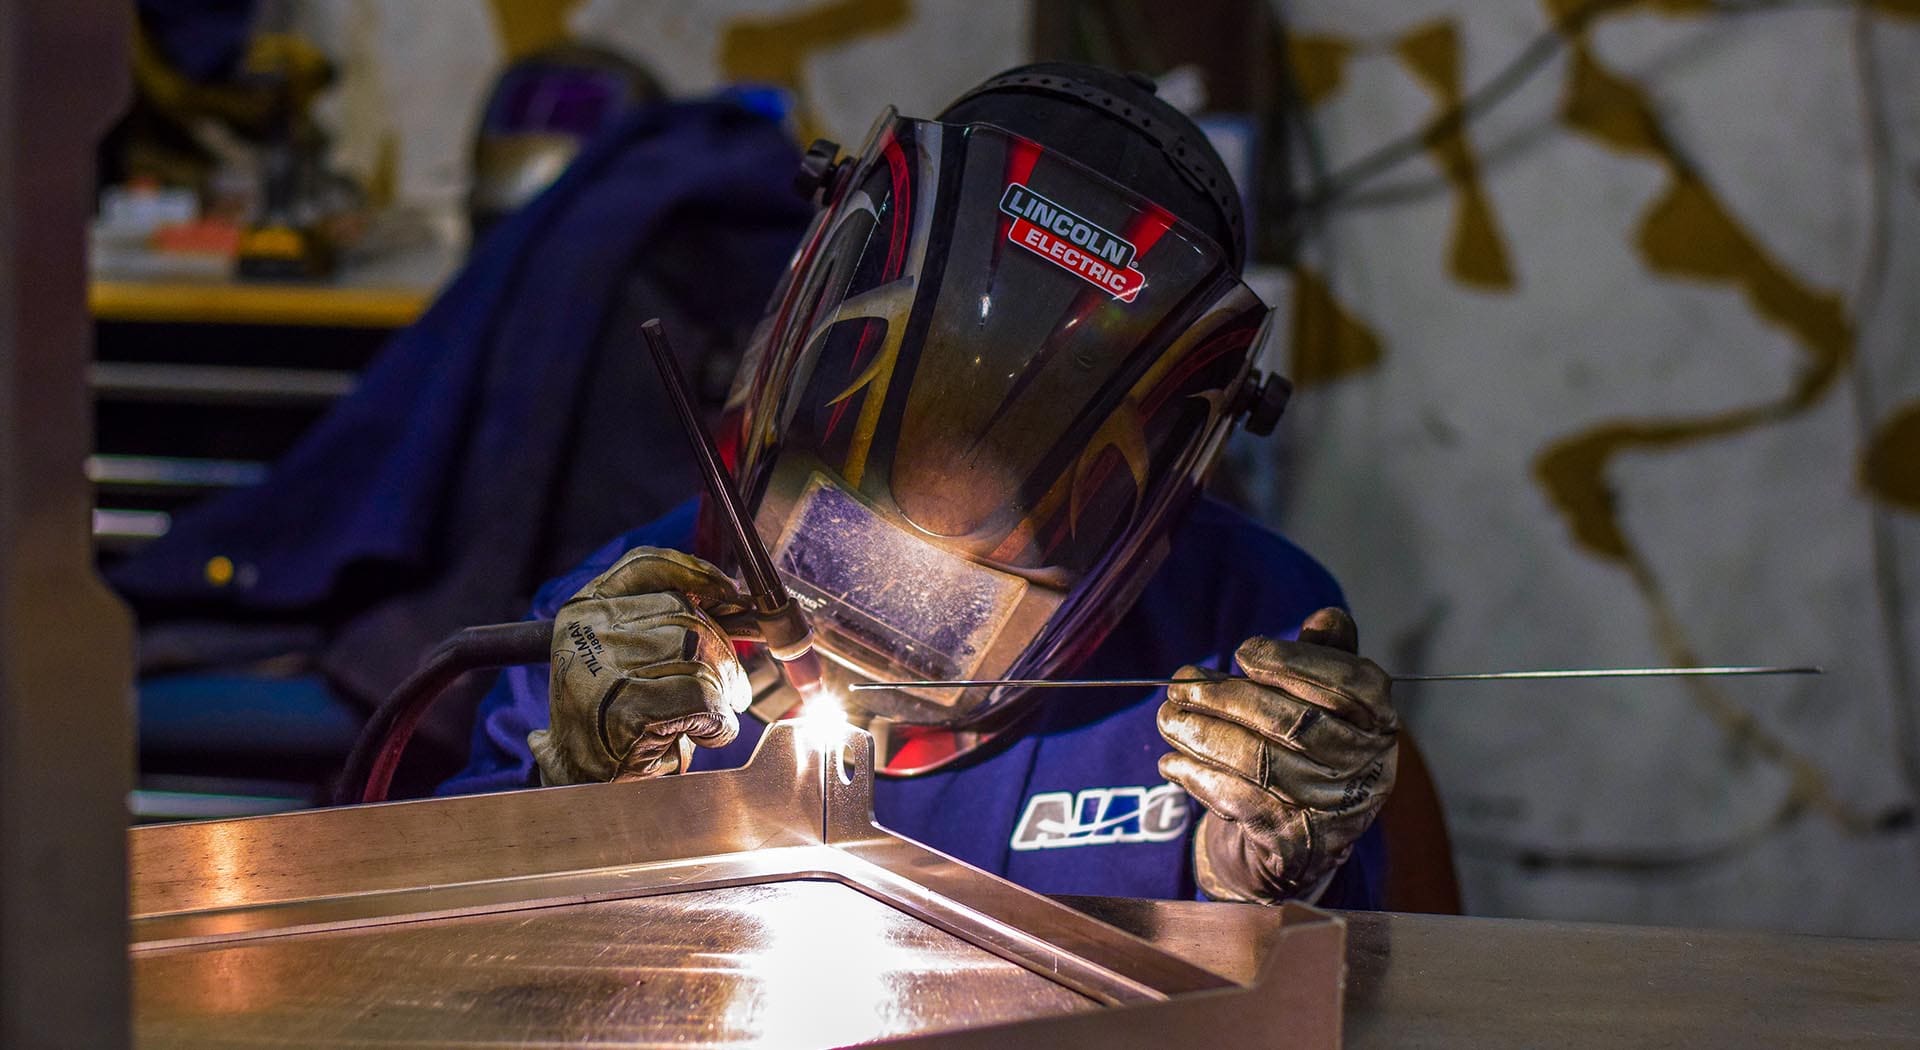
(641, 671)
(1292, 762)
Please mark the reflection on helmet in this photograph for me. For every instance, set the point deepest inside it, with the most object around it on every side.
(991, 382)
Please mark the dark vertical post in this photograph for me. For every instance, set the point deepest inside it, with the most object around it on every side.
(65, 753)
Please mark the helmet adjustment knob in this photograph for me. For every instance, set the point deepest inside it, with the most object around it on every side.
(820, 169)
(1265, 401)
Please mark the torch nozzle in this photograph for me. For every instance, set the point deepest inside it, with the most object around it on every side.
(789, 640)
(803, 674)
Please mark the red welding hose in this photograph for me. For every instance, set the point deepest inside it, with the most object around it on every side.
(376, 754)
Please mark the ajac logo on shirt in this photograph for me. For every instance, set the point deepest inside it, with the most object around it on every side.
(1076, 245)
(1097, 816)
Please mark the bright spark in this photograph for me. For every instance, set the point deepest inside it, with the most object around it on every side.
(823, 721)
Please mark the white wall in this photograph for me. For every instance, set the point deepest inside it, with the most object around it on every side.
(1415, 480)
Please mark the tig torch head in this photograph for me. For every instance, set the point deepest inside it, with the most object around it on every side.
(790, 642)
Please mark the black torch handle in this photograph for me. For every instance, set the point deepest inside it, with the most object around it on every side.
(755, 564)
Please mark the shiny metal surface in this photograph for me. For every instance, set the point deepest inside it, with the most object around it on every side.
(1444, 981)
(794, 963)
(1232, 940)
(514, 920)
(311, 926)
(217, 870)
(771, 819)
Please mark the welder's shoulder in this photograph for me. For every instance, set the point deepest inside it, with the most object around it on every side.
(1232, 552)
(673, 530)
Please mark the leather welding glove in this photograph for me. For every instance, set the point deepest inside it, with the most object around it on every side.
(641, 671)
(1292, 762)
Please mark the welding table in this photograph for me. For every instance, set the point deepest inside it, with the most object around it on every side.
(1446, 981)
(762, 904)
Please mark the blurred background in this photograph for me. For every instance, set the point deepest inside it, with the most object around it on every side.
(1602, 316)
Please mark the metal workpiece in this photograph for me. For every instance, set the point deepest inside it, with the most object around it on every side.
(762, 905)
(725, 966)
(733, 907)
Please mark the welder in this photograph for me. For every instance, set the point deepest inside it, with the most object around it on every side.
(972, 428)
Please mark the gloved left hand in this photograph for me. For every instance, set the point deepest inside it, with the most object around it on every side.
(642, 671)
(1292, 762)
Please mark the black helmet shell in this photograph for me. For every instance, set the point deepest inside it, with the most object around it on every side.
(1115, 125)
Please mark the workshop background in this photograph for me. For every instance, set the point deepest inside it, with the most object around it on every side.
(1602, 316)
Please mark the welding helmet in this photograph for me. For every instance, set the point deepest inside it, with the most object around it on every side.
(996, 372)
(543, 109)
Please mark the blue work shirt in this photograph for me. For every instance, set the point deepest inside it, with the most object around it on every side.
(1071, 799)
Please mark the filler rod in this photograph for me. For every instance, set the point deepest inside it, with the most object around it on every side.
(1476, 676)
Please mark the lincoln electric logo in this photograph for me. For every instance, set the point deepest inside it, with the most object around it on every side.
(1096, 816)
(1082, 248)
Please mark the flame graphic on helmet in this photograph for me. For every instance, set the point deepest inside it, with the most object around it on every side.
(890, 303)
(1124, 432)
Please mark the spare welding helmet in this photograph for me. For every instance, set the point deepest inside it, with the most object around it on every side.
(996, 372)
(541, 112)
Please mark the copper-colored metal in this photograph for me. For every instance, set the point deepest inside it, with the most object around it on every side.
(762, 903)
(717, 908)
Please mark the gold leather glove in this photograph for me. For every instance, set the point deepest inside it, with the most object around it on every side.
(641, 671)
(1292, 762)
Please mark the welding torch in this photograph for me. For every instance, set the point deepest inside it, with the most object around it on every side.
(783, 626)
(777, 620)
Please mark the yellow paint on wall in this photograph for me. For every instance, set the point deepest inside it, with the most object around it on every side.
(1687, 233)
(1890, 466)
(526, 26)
(774, 49)
(1329, 342)
(1319, 65)
(1478, 255)
(1572, 16)
(1609, 108)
